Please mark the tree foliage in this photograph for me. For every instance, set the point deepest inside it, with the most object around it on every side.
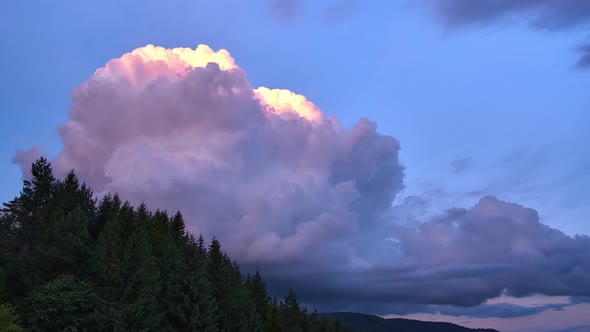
(71, 263)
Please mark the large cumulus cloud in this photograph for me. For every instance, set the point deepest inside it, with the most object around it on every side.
(263, 169)
(288, 189)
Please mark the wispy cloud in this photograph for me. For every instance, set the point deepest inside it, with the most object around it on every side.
(287, 10)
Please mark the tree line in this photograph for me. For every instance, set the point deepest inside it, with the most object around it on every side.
(70, 262)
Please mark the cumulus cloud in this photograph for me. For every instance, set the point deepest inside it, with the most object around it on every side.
(289, 189)
(551, 15)
(263, 169)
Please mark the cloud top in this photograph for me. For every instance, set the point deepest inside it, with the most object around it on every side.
(263, 169)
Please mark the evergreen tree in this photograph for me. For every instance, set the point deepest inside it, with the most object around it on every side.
(292, 316)
(8, 319)
(201, 247)
(67, 263)
(202, 308)
(110, 278)
(274, 316)
(63, 304)
(141, 272)
(11, 279)
(215, 276)
(69, 250)
(177, 228)
(260, 298)
(173, 298)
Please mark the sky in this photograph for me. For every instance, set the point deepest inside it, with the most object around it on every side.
(411, 158)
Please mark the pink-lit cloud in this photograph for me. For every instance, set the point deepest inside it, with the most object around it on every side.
(263, 169)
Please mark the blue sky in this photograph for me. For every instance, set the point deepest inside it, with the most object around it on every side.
(495, 109)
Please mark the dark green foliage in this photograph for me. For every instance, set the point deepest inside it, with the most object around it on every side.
(293, 317)
(63, 304)
(8, 320)
(68, 263)
(273, 316)
(260, 299)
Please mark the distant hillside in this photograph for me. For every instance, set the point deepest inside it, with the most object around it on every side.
(369, 323)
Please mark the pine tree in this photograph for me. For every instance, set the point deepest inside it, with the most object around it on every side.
(173, 298)
(216, 278)
(142, 274)
(201, 308)
(292, 316)
(11, 280)
(34, 203)
(201, 248)
(69, 264)
(274, 316)
(70, 251)
(177, 228)
(110, 278)
(260, 298)
(107, 209)
(8, 319)
(63, 304)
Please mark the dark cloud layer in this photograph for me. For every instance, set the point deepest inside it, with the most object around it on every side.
(541, 14)
(289, 190)
(503, 310)
(463, 258)
(551, 15)
(584, 61)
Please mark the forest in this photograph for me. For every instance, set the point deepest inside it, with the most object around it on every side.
(72, 262)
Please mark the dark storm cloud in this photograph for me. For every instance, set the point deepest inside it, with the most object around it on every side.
(541, 14)
(462, 258)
